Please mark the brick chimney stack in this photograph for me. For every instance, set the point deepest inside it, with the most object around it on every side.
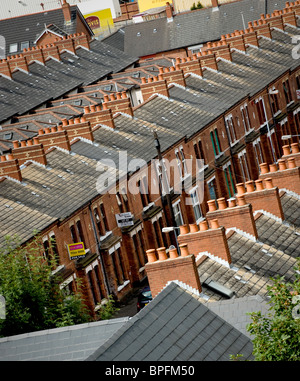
(287, 176)
(54, 137)
(66, 11)
(169, 11)
(162, 269)
(118, 102)
(190, 65)
(237, 213)
(201, 239)
(262, 197)
(9, 167)
(215, 3)
(97, 115)
(30, 150)
(173, 75)
(78, 127)
(154, 85)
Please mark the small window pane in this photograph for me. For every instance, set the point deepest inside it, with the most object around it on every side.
(13, 48)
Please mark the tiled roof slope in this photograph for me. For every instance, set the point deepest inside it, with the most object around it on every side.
(183, 114)
(55, 79)
(175, 326)
(73, 343)
(29, 27)
(253, 264)
(198, 26)
(236, 311)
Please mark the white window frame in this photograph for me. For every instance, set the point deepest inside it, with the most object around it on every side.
(177, 205)
(160, 167)
(246, 122)
(230, 129)
(257, 150)
(194, 191)
(242, 156)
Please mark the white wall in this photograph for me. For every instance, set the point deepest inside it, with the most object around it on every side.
(96, 5)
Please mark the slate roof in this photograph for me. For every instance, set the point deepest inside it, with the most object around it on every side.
(29, 27)
(73, 343)
(236, 310)
(253, 262)
(174, 326)
(56, 79)
(190, 28)
(291, 208)
(182, 115)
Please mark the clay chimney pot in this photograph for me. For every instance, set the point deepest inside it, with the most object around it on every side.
(203, 225)
(259, 185)
(214, 224)
(173, 253)
(184, 229)
(151, 255)
(273, 168)
(250, 186)
(241, 200)
(286, 150)
(269, 183)
(232, 203)
(194, 228)
(184, 251)
(162, 255)
(222, 203)
(291, 163)
(282, 165)
(240, 188)
(295, 148)
(212, 205)
(264, 167)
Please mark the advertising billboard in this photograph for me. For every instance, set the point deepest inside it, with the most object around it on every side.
(99, 21)
(145, 5)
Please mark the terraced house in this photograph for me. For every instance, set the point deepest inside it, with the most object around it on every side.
(234, 105)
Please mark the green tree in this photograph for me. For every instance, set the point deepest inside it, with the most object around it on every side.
(33, 297)
(277, 335)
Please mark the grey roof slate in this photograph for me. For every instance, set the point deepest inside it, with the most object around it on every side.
(274, 233)
(236, 311)
(190, 28)
(72, 343)
(29, 27)
(253, 262)
(291, 209)
(56, 79)
(174, 326)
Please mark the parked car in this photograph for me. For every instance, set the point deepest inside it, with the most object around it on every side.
(144, 297)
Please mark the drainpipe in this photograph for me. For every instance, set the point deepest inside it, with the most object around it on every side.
(99, 252)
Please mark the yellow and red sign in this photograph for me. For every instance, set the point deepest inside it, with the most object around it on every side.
(99, 21)
(145, 5)
(76, 250)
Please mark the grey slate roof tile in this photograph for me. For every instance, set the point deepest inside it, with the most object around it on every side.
(197, 338)
(67, 343)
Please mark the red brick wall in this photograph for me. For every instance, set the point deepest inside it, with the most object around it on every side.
(182, 269)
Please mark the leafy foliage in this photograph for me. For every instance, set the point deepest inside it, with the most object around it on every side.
(198, 6)
(108, 309)
(33, 297)
(277, 335)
